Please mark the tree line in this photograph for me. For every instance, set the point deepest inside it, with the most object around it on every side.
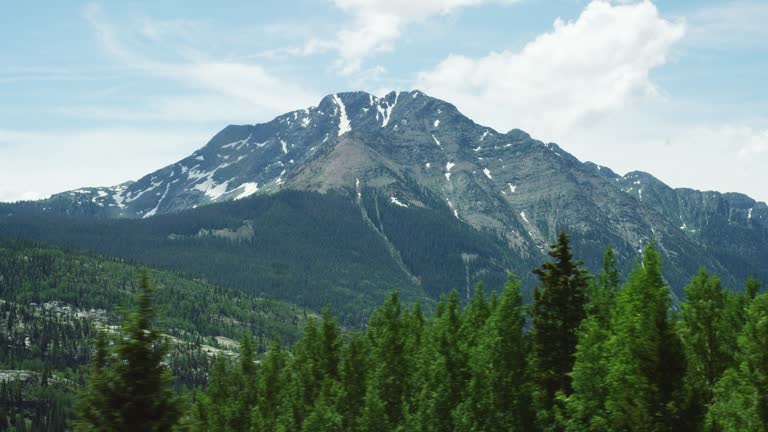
(589, 354)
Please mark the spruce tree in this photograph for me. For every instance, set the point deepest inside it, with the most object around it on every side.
(556, 313)
(647, 363)
(585, 408)
(498, 393)
(353, 381)
(444, 369)
(741, 396)
(385, 387)
(752, 288)
(132, 387)
(708, 336)
(271, 385)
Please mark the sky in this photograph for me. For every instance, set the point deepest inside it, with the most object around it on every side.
(98, 93)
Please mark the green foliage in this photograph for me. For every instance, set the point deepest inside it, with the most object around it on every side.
(646, 360)
(557, 311)
(586, 407)
(300, 247)
(709, 337)
(53, 303)
(741, 396)
(603, 358)
(129, 387)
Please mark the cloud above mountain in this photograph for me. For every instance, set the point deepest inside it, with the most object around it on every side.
(597, 63)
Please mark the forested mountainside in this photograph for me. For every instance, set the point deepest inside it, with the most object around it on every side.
(408, 155)
(303, 247)
(53, 302)
(589, 354)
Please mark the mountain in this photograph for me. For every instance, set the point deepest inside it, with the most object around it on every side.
(437, 199)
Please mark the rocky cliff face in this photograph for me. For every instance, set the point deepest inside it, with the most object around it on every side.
(409, 150)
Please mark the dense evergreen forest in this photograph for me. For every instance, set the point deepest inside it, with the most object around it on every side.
(54, 302)
(589, 354)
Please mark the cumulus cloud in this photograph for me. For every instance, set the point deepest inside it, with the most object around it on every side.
(378, 24)
(597, 63)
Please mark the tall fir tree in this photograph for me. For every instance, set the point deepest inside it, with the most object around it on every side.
(585, 408)
(557, 311)
(498, 392)
(708, 337)
(647, 363)
(741, 396)
(134, 388)
(353, 381)
(385, 387)
(444, 367)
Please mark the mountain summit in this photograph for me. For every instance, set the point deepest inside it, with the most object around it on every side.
(413, 152)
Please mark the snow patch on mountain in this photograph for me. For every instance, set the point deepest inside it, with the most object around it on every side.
(437, 141)
(211, 189)
(397, 202)
(344, 125)
(386, 111)
(248, 189)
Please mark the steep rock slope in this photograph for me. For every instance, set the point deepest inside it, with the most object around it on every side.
(408, 151)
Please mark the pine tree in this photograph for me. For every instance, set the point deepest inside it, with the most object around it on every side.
(708, 336)
(270, 389)
(752, 288)
(647, 363)
(386, 384)
(557, 311)
(353, 381)
(741, 396)
(444, 369)
(498, 392)
(585, 408)
(92, 405)
(132, 385)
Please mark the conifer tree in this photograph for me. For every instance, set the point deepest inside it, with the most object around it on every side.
(752, 288)
(271, 383)
(741, 396)
(556, 313)
(498, 392)
(353, 381)
(386, 384)
(708, 337)
(647, 363)
(586, 406)
(133, 387)
(444, 369)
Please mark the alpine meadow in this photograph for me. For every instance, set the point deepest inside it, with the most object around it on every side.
(362, 247)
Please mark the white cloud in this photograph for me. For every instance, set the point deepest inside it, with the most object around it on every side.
(587, 84)
(377, 24)
(246, 84)
(728, 158)
(598, 63)
(38, 164)
(734, 23)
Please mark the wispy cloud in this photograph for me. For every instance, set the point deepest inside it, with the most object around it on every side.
(377, 25)
(735, 23)
(248, 85)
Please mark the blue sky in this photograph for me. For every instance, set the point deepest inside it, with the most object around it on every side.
(97, 93)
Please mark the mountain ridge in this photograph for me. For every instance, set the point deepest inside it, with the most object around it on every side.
(410, 151)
